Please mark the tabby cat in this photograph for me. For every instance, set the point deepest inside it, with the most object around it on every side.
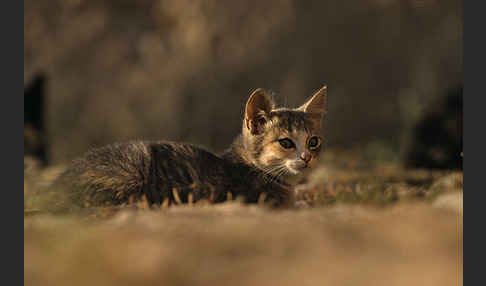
(275, 148)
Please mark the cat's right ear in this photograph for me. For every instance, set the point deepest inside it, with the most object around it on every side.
(257, 109)
(317, 104)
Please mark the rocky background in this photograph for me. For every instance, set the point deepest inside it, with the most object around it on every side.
(182, 70)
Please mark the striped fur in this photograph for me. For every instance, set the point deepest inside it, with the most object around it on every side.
(119, 173)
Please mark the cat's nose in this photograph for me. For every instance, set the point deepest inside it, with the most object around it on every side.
(305, 156)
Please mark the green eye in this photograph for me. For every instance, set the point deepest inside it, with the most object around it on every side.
(313, 142)
(286, 143)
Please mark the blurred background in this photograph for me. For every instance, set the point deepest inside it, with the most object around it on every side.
(96, 72)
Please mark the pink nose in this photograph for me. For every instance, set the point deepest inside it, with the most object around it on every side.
(306, 157)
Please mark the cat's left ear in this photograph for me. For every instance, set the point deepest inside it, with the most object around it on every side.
(257, 109)
(317, 104)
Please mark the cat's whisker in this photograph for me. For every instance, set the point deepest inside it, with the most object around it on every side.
(280, 174)
(270, 172)
(273, 173)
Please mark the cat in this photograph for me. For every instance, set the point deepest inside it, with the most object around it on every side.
(276, 147)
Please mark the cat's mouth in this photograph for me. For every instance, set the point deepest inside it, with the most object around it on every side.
(296, 172)
(297, 167)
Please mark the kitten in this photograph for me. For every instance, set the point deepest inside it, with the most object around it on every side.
(281, 142)
(275, 148)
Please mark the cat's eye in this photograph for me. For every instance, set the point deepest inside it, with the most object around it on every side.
(286, 143)
(313, 142)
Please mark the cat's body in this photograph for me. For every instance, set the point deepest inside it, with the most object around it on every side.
(275, 146)
(117, 173)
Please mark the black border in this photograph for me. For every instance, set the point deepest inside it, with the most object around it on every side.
(11, 121)
(474, 139)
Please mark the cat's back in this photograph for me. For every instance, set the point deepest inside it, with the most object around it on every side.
(160, 170)
(112, 174)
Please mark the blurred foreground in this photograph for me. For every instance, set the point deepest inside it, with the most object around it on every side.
(369, 223)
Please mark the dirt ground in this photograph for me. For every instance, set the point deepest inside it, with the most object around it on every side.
(366, 223)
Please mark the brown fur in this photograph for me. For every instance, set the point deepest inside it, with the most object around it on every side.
(264, 124)
(118, 173)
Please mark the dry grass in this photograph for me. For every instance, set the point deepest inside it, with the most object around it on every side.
(368, 224)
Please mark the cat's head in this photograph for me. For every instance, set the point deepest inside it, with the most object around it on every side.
(283, 142)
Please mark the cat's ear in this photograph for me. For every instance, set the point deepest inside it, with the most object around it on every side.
(257, 109)
(317, 104)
